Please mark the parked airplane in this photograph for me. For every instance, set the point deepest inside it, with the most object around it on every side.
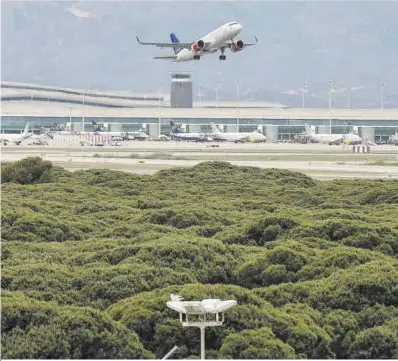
(134, 135)
(97, 128)
(349, 138)
(236, 137)
(177, 133)
(15, 137)
(218, 40)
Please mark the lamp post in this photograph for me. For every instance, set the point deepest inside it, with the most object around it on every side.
(348, 98)
(382, 84)
(217, 85)
(83, 113)
(160, 114)
(201, 314)
(330, 105)
(245, 94)
(237, 106)
(304, 90)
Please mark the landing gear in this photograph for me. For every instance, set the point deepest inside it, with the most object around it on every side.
(196, 57)
(222, 56)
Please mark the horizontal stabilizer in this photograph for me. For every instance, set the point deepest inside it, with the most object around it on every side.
(165, 57)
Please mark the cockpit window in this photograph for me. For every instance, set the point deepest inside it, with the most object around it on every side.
(230, 24)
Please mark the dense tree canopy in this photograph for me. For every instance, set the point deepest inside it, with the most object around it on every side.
(90, 258)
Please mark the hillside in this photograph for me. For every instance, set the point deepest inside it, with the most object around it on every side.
(92, 45)
(90, 258)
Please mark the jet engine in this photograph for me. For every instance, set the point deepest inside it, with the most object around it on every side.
(238, 46)
(198, 46)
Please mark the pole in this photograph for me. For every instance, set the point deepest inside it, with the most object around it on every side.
(304, 91)
(202, 342)
(330, 105)
(348, 98)
(174, 349)
(83, 113)
(237, 106)
(382, 95)
(217, 95)
(160, 114)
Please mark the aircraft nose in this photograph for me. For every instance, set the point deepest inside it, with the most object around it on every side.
(239, 27)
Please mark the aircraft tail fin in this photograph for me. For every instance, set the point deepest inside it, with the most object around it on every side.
(26, 130)
(175, 40)
(355, 130)
(174, 128)
(96, 127)
(309, 129)
(214, 128)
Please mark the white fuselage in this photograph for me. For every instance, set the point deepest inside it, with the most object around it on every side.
(15, 137)
(331, 138)
(138, 134)
(191, 136)
(216, 40)
(237, 136)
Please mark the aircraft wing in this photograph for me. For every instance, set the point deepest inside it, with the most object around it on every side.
(166, 45)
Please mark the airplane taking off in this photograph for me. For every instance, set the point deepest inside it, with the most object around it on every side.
(15, 137)
(218, 40)
(179, 135)
(349, 138)
(236, 137)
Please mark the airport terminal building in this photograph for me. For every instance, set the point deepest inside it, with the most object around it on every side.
(124, 111)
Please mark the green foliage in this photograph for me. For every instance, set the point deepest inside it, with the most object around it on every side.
(255, 344)
(34, 329)
(26, 171)
(90, 258)
(379, 342)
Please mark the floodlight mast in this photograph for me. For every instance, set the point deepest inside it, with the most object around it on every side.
(202, 314)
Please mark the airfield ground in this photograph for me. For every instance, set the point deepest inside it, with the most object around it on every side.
(317, 160)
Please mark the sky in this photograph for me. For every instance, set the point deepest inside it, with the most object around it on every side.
(92, 44)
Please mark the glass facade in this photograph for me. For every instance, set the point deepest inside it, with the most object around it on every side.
(285, 126)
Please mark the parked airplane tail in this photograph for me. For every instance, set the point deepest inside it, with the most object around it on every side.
(175, 40)
(355, 130)
(96, 127)
(214, 128)
(26, 130)
(175, 128)
(309, 129)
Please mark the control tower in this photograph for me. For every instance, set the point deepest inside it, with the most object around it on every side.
(181, 90)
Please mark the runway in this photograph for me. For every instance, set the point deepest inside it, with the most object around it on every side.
(317, 160)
